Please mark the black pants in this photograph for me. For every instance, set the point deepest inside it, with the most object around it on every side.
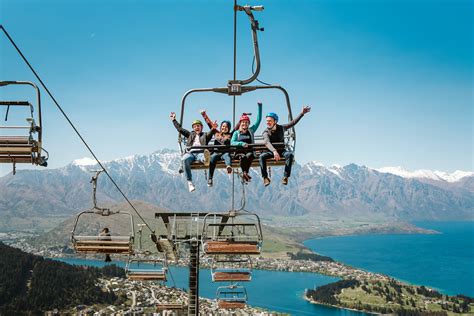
(246, 161)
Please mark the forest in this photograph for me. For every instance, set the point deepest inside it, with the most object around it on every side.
(33, 284)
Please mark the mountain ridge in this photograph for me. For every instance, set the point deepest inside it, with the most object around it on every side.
(350, 191)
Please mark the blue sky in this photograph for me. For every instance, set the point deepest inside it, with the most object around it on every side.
(390, 82)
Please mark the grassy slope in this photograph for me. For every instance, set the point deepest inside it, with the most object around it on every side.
(408, 298)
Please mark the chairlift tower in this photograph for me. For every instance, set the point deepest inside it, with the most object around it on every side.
(184, 229)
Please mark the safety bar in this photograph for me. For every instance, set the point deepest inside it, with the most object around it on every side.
(244, 90)
(105, 212)
(230, 215)
(15, 103)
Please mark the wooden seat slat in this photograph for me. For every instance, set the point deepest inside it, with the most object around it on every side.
(113, 244)
(91, 244)
(105, 249)
(231, 276)
(15, 150)
(14, 140)
(230, 304)
(16, 159)
(103, 242)
(165, 306)
(147, 276)
(218, 247)
(271, 162)
(103, 246)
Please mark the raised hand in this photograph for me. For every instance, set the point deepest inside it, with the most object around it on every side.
(173, 116)
(306, 109)
(202, 112)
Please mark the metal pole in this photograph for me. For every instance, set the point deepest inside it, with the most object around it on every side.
(233, 97)
(193, 307)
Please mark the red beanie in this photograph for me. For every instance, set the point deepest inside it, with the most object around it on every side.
(245, 117)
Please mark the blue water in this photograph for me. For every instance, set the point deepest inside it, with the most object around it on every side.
(274, 290)
(443, 261)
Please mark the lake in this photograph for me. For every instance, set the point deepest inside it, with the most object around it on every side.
(442, 261)
(275, 290)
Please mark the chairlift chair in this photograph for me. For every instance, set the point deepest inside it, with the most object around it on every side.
(22, 147)
(231, 269)
(146, 267)
(231, 296)
(236, 88)
(110, 244)
(232, 233)
(114, 244)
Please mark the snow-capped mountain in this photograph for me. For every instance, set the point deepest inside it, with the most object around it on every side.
(427, 174)
(350, 191)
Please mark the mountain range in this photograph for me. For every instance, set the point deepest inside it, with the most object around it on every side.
(32, 197)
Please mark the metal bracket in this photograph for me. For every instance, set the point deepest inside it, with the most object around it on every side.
(234, 88)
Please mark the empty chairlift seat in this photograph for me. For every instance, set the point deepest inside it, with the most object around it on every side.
(146, 269)
(232, 233)
(20, 142)
(231, 247)
(232, 296)
(231, 268)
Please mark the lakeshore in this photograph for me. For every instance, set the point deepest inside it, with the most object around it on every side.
(392, 297)
(276, 264)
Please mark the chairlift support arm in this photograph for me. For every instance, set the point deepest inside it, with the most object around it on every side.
(255, 27)
(245, 89)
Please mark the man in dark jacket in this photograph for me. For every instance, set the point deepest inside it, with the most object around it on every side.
(194, 138)
(275, 133)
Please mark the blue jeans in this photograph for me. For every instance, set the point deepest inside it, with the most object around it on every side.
(188, 159)
(215, 158)
(288, 155)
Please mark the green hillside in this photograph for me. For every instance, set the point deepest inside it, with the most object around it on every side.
(31, 284)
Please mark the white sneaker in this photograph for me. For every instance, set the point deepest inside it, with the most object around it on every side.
(207, 157)
(191, 186)
(229, 169)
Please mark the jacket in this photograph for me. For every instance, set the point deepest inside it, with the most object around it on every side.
(204, 138)
(277, 133)
(252, 129)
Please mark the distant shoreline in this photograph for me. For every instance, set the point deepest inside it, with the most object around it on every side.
(338, 307)
(382, 229)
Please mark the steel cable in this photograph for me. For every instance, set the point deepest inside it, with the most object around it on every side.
(74, 127)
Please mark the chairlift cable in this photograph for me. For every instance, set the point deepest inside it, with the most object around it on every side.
(172, 278)
(74, 127)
